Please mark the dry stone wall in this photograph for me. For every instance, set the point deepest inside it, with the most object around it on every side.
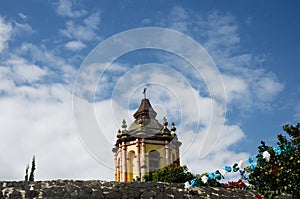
(104, 189)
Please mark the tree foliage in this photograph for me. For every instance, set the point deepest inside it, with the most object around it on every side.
(280, 172)
(170, 174)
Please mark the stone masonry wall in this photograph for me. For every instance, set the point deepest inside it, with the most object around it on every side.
(103, 189)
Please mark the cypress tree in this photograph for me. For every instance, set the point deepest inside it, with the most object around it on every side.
(31, 177)
(26, 173)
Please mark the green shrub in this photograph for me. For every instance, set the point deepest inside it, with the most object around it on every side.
(170, 174)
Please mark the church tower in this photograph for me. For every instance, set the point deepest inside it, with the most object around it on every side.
(145, 146)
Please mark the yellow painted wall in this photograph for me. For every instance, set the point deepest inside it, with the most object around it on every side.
(132, 148)
(132, 173)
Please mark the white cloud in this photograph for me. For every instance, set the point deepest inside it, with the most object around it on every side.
(221, 35)
(66, 8)
(22, 16)
(92, 21)
(236, 88)
(38, 120)
(247, 84)
(29, 98)
(75, 45)
(267, 87)
(43, 126)
(96, 80)
(21, 28)
(7, 85)
(40, 54)
(85, 31)
(220, 156)
(56, 65)
(25, 72)
(5, 33)
(179, 19)
(9, 29)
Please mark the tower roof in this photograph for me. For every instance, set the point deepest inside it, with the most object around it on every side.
(145, 110)
(145, 120)
(146, 126)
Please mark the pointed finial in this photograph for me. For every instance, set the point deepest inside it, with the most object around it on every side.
(165, 121)
(124, 125)
(165, 131)
(123, 131)
(119, 133)
(173, 128)
(144, 92)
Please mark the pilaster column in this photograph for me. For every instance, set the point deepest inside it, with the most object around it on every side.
(167, 152)
(177, 155)
(138, 159)
(116, 165)
(124, 163)
(143, 160)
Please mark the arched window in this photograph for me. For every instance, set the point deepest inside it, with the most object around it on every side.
(154, 160)
(130, 166)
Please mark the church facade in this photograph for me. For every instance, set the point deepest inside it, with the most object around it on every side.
(145, 146)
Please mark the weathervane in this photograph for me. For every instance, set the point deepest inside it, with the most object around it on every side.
(144, 92)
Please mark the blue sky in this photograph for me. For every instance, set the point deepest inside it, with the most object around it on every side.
(43, 44)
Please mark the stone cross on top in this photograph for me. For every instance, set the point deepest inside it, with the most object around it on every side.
(144, 92)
